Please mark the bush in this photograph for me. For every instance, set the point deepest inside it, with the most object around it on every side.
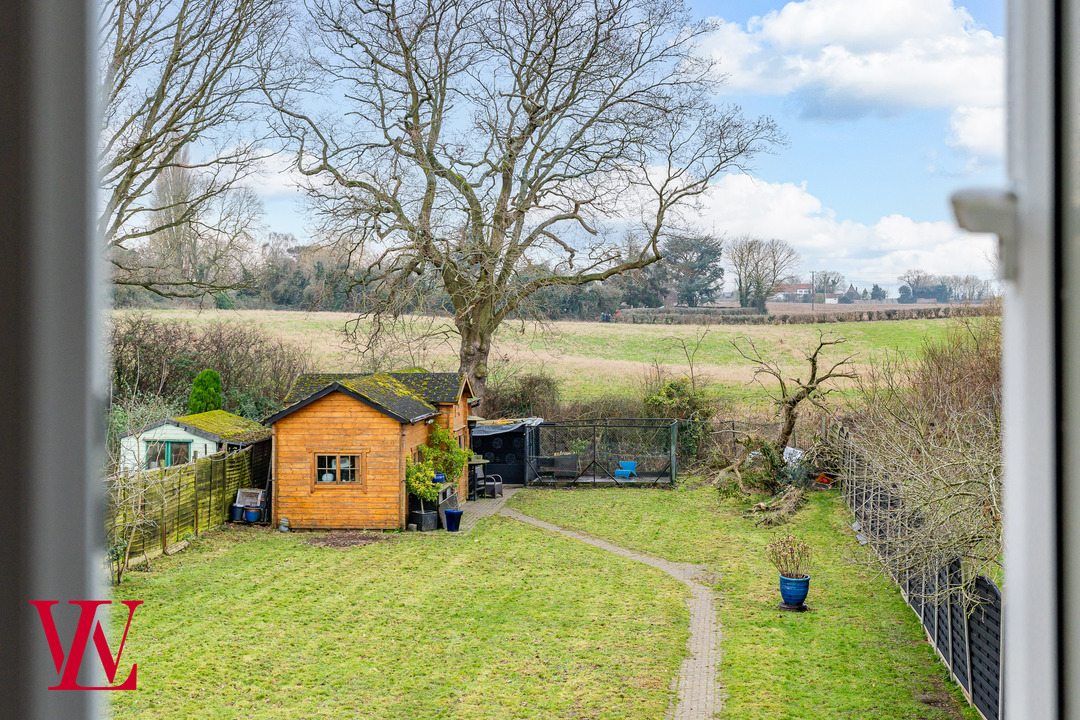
(531, 394)
(152, 358)
(205, 393)
(679, 399)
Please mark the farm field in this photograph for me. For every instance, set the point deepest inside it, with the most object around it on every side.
(593, 359)
(861, 653)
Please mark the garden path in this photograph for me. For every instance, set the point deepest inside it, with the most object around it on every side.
(697, 691)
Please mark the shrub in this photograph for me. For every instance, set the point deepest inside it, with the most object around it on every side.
(153, 358)
(420, 480)
(790, 557)
(443, 454)
(529, 394)
(205, 393)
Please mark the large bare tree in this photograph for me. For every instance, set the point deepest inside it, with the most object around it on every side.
(759, 266)
(509, 145)
(181, 86)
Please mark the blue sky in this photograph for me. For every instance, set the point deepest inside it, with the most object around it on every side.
(889, 106)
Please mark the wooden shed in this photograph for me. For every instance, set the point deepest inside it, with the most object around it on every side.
(341, 444)
(184, 439)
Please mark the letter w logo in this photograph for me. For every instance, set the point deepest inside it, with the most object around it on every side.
(69, 673)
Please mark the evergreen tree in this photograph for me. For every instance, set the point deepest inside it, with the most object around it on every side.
(205, 392)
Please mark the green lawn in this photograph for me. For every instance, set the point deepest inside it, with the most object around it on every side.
(506, 622)
(859, 654)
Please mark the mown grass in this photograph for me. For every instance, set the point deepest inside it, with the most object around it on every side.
(595, 359)
(859, 654)
(506, 622)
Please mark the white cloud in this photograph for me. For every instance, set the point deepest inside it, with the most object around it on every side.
(278, 177)
(865, 254)
(848, 58)
(978, 130)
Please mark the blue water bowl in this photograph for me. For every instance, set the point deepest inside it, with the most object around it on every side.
(794, 590)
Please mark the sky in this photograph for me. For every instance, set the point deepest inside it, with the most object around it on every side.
(889, 106)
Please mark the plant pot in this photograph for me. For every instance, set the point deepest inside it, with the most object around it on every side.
(425, 521)
(251, 514)
(453, 520)
(237, 513)
(794, 590)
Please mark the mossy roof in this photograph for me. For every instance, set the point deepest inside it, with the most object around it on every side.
(225, 426)
(382, 391)
(430, 387)
(215, 425)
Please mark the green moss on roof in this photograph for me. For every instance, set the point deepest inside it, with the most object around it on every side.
(429, 387)
(387, 392)
(229, 427)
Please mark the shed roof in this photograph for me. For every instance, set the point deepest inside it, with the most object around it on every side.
(381, 391)
(215, 425)
(430, 387)
(225, 425)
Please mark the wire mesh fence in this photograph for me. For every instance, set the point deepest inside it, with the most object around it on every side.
(961, 619)
(619, 451)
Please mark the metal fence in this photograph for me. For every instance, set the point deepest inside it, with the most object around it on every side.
(966, 634)
(590, 452)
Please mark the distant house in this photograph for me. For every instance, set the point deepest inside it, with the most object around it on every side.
(852, 294)
(342, 441)
(792, 292)
(184, 439)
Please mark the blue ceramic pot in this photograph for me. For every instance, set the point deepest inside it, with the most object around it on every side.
(251, 514)
(794, 590)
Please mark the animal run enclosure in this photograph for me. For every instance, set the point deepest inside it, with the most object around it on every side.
(965, 633)
(615, 451)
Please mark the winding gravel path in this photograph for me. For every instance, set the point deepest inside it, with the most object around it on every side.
(697, 686)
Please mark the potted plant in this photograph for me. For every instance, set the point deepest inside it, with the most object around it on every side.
(419, 481)
(791, 557)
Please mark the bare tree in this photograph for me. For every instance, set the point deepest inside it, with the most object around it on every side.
(759, 266)
(916, 280)
(788, 393)
(509, 146)
(181, 81)
(826, 281)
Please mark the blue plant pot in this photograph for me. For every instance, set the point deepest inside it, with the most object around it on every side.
(794, 590)
(251, 514)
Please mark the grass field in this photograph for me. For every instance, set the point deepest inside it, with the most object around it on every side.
(860, 654)
(506, 622)
(597, 358)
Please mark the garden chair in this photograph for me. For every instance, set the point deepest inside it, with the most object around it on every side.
(626, 469)
(488, 485)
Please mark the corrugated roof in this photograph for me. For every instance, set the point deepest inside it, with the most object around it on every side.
(381, 391)
(431, 387)
(225, 425)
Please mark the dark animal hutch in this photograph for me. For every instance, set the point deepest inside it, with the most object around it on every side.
(506, 446)
(623, 451)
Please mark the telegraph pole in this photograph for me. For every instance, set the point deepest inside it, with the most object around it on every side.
(813, 292)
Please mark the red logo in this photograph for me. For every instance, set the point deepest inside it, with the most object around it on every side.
(69, 672)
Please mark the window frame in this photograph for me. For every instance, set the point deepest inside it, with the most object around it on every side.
(168, 453)
(361, 469)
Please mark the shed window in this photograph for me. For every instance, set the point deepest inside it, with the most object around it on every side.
(166, 453)
(338, 469)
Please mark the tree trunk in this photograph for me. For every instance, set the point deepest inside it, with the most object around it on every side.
(787, 427)
(474, 352)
